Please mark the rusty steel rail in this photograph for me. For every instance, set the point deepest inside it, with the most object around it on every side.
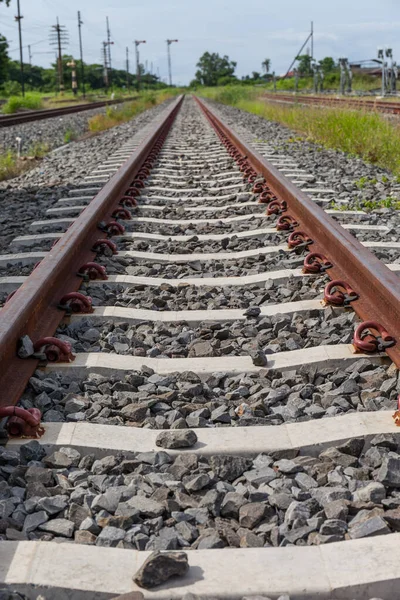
(49, 113)
(33, 310)
(378, 288)
(370, 105)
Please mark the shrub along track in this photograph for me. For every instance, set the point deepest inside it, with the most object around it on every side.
(197, 312)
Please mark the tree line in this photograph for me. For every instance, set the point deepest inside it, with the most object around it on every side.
(213, 69)
(45, 80)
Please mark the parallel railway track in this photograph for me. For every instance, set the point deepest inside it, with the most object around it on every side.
(383, 106)
(203, 260)
(39, 115)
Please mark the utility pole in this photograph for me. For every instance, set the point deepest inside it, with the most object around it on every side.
(169, 42)
(30, 55)
(105, 71)
(80, 23)
(21, 59)
(127, 69)
(312, 40)
(59, 39)
(109, 49)
(137, 43)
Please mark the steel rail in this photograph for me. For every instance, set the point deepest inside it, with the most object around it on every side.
(378, 287)
(370, 105)
(33, 310)
(38, 115)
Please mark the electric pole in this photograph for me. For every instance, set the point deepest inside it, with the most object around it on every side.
(21, 59)
(127, 68)
(169, 42)
(312, 40)
(59, 39)
(137, 43)
(109, 49)
(105, 71)
(81, 53)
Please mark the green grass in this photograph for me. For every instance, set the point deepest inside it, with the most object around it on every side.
(364, 134)
(70, 136)
(31, 100)
(115, 115)
(11, 165)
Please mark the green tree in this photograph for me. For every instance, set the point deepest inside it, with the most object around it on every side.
(214, 69)
(327, 64)
(4, 60)
(266, 65)
(304, 66)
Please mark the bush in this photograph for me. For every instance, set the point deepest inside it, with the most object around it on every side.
(11, 88)
(32, 101)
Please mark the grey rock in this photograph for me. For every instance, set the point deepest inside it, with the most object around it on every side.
(252, 514)
(369, 528)
(389, 472)
(183, 438)
(34, 520)
(146, 506)
(372, 492)
(110, 537)
(62, 527)
(161, 566)
(229, 467)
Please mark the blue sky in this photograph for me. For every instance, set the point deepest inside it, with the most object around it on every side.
(247, 30)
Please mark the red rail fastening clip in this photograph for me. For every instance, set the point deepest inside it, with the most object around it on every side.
(339, 293)
(316, 263)
(75, 302)
(299, 239)
(365, 341)
(265, 197)
(54, 349)
(258, 187)
(92, 270)
(275, 207)
(101, 245)
(286, 223)
(114, 228)
(128, 201)
(122, 213)
(137, 183)
(22, 422)
(396, 414)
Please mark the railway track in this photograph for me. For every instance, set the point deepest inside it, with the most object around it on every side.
(39, 115)
(198, 394)
(383, 106)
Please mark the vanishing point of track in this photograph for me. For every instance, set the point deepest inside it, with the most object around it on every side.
(159, 192)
